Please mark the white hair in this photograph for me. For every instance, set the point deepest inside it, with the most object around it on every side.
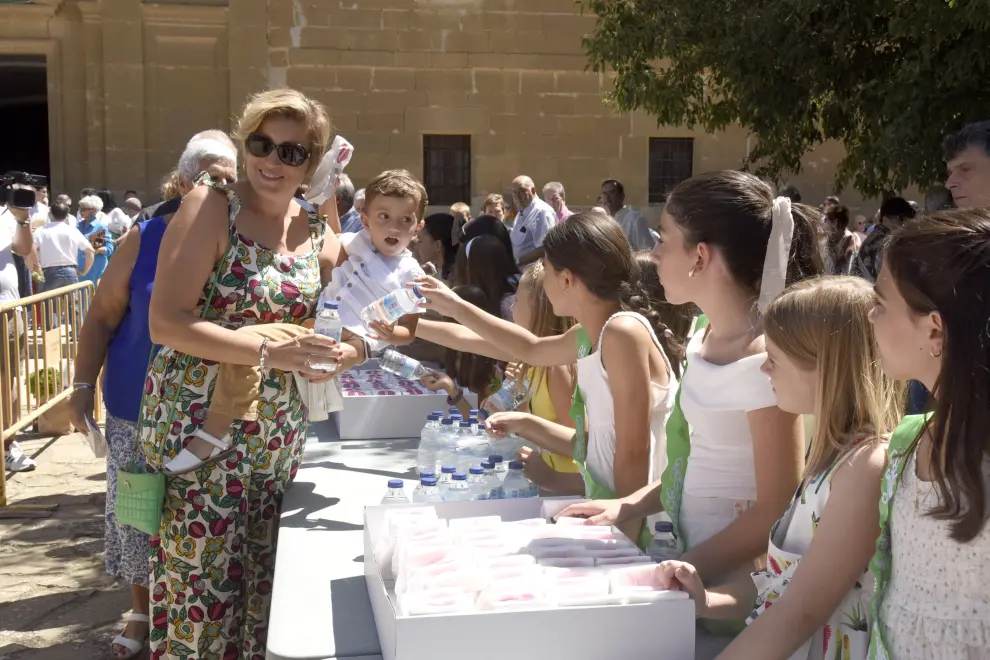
(555, 186)
(91, 202)
(359, 196)
(207, 144)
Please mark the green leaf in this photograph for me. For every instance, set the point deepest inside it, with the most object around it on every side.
(158, 634)
(204, 643)
(208, 558)
(180, 484)
(180, 566)
(209, 515)
(228, 502)
(179, 649)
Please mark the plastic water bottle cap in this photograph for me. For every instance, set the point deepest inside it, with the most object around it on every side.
(515, 465)
(474, 412)
(437, 412)
(329, 305)
(447, 421)
(477, 469)
(664, 526)
(459, 476)
(427, 473)
(428, 481)
(495, 458)
(454, 411)
(487, 465)
(434, 417)
(448, 469)
(395, 483)
(418, 292)
(465, 424)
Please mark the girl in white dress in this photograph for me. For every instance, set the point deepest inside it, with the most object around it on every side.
(932, 324)
(812, 600)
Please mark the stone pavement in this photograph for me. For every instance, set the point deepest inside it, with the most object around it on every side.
(56, 601)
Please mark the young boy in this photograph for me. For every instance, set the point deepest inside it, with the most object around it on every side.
(372, 263)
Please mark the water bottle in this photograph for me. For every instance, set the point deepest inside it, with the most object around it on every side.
(458, 490)
(500, 468)
(467, 442)
(516, 485)
(395, 493)
(477, 483)
(492, 485)
(393, 306)
(664, 546)
(446, 442)
(401, 365)
(426, 455)
(328, 323)
(427, 492)
(508, 397)
(446, 476)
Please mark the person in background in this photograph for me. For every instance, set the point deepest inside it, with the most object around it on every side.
(132, 206)
(109, 202)
(67, 201)
(39, 212)
(488, 225)
(830, 203)
(511, 208)
(59, 248)
(211, 150)
(494, 205)
(967, 161)
(613, 197)
(461, 213)
(860, 227)
(840, 242)
(115, 337)
(791, 192)
(95, 230)
(894, 212)
(130, 192)
(938, 198)
(486, 265)
(359, 199)
(350, 215)
(433, 246)
(534, 220)
(553, 194)
(931, 318)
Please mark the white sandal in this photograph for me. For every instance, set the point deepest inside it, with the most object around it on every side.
(133, 647)
(186, 461)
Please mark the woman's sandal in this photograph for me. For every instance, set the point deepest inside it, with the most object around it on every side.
(186, 461)
(133, 647)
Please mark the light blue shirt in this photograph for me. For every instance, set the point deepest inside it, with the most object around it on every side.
(531, 226)
(350, 222)
(99, 260)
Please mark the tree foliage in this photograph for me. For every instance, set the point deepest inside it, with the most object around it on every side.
(887, 78)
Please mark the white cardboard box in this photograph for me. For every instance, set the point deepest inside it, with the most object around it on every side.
(398, 415)
(663, 630)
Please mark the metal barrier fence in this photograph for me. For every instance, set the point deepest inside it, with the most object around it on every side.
(37, 364)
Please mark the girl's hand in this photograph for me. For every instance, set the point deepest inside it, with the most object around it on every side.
(684, 577)
(387, 333)
(535, 468)
(438, 381)
(502, 424)
(301, 353)
(429, 268)
(439, 296)
(513, 371)
(599, 512)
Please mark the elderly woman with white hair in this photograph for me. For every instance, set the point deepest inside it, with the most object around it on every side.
(92, 224)
(116, 332)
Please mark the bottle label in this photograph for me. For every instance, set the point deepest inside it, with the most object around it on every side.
(390, 308)
(334, 331)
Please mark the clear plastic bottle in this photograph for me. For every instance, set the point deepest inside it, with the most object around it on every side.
(516, 485)
(396, 493)
(446, 476)
(458, 490)
(664, 546)
(508, 397)
(477, 483)
(401, 365)
(427, 492)
(328, 323)
(446, 444)
(500, 467)
(426, 454)
(492, 484)
(467, 443)
(393, 306)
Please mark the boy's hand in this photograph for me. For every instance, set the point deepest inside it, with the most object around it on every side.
(392, 333)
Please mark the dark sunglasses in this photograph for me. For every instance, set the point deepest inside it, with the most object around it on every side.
(290, 153)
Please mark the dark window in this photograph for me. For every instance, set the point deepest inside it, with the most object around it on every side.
(671, 161)
(447, 168)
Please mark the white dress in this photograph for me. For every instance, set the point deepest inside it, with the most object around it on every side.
(720, 480)
(937, 605)
(593, 382)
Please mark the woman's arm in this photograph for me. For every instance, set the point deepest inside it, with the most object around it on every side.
(778, 453)
(548, 435)
(523, 345)
(843, 545)
(560, 382)
(625, 352)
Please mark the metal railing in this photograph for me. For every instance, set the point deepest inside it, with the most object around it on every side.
(41, 337)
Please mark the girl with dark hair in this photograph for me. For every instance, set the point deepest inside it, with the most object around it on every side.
(932, 324)
(488, 225)
(624, 377)
(734, 458)
(434, 245)
(484, 263)
(675, 321)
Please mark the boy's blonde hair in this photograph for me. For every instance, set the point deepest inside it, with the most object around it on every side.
(397, 183)
(460, 208)
(293, 105)
(823, 325)
(494, 198)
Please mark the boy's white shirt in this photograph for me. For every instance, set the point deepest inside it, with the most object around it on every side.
(365, 277)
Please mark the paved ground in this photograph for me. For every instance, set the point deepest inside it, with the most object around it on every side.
(56, 602)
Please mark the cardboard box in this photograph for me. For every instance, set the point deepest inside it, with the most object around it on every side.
(398, 410)
(663, 630)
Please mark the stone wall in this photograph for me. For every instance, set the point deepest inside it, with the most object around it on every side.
(129, 81)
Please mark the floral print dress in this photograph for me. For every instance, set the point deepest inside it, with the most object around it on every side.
(846, 635)
(213, 562)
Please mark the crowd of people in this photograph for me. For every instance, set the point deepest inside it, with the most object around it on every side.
(667, 371)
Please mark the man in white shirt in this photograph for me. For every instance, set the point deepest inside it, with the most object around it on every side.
(59, 245)
(632, 222)
(534, 220)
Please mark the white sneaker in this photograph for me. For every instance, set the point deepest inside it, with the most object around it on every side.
(16, 461)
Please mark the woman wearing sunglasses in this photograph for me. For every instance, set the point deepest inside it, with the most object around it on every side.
(233, 257)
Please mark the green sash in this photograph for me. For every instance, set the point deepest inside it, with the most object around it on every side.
(592, 489)
(882, 563)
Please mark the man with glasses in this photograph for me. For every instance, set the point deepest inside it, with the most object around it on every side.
(535, 219)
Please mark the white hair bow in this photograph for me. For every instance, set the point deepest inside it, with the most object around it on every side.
(778, 251)
(333, 163)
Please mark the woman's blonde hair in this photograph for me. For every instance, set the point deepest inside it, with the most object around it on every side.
(543, 322)
(823, 325)
(291, 104)
(170, 186)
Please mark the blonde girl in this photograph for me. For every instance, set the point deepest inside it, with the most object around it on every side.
(812, 600)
